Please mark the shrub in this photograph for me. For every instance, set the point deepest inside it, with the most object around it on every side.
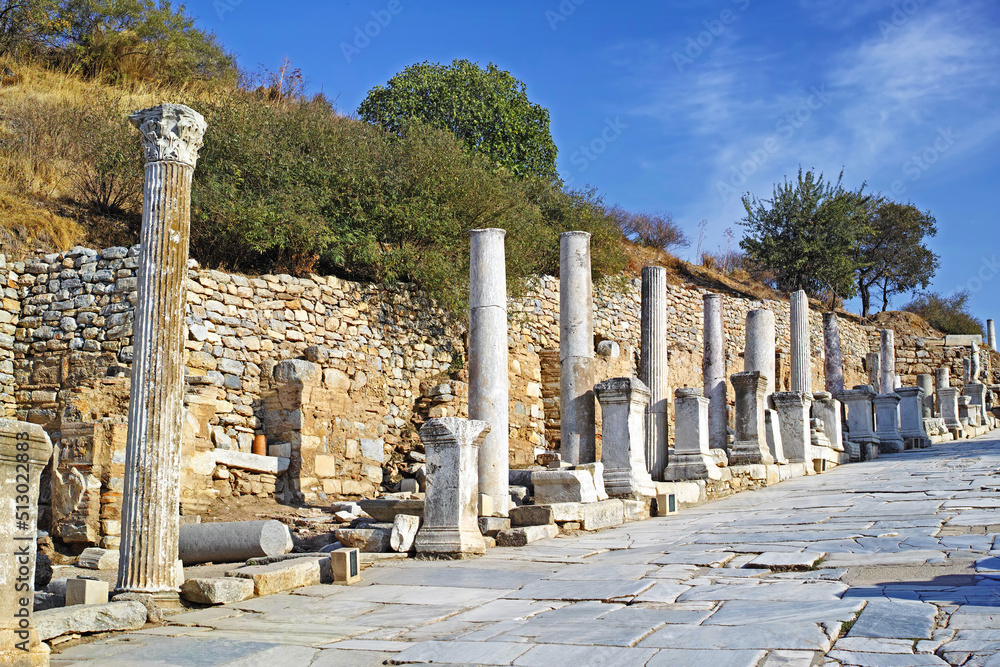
(653, 230)
(947, 314)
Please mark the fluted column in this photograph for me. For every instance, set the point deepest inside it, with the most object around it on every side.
(801, 349)
(831, 347)
(653, 367)
(887, 361)
(171, 137)
(714, 372)
(488, 380)
(576, 349)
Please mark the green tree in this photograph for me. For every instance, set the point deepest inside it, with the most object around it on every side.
(947, 314)
(487, 109)
(891, 255)
(805, 233)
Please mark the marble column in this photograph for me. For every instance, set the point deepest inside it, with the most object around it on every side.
(948, 407)
(758, 353)
(450, 528)
(576, 350)
(793, 418)
(831, 346)
(691, 449)
(926, 382)
(488, 371)
(860, 422)
(991, 335)
(976, 367)
(171, 136)
(873, 360)
(749, 446)
(966, 370)
(654, 368)
(623, 437)
(714, 372)
(887, 361)
(800, 345)
(25, 450)
(911, 418)
(887, 423)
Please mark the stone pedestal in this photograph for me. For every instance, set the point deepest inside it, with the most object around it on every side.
(828, 410)
(653, 367)
(758, 353)
(873, 360)
(948, 407)
(977, 402)
(623, 437)
(749, 446)
(793, 418)
(451, 528)
(488, 373)
(714, 372)
(800, 347)
(576, 349)
(887, 424)
(171, 137)
(863, 443)
(831, 348)
(887, 361)
(691, 458)
(25, 450)
(942, 380)
(991, 335)
(772, 435)
(911, 417)
(963, 412)
(926, 382)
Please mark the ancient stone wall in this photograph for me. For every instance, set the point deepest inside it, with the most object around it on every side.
(10, 313)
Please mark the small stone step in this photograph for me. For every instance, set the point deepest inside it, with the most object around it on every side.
(520, 537)
(286, 575)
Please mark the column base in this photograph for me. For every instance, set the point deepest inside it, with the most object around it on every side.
(37, 654)
(449, 543)
(626, 483)
(691, 466)
(749, 453)
(890, 443)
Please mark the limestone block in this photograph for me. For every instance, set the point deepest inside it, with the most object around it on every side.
(285, 575)
(636, 510)
(269, 465)
(491, 525)
(296, 371)
(531, 515)
(94, 558)
(85, 619)
(404, 532)
(591, 516)
(385, 510)
(563, 486)
(217, 590)
(521, 537)
(596, 469)
(369, 540)
(86, 591)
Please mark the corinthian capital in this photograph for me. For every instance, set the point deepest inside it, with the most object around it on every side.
(171, 132)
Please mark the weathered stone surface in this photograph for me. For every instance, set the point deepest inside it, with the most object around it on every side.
(714, 371)
(84, 619)
(270, 465)
(491, 525)
(624, 404)
(404, 532)
(86, 591)
(749, 446)
(519, 537)
(95, 558)
(654, 367)
(563, 486)
(833, 365)
(691, 458)
(368, 540)
(230, 542)
(793, 419)
(903, 619)
(385, 510)
(531, 515)
(590, 516)
(217, 590)
(576, 349)
(801, 348)
(285, 575)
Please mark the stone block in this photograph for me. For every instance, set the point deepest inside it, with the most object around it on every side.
(531, 515)
(85, 619)
(404, 532)
(666, 504)
(369, 540)
(520, 537)
(345, 566)
(373, 449)
(325, 466)
(385, 510)
(485, 505)
(217, 590)
(285, 575)
(596, 471)
(280, 450)
(564, 486)
(296, 371)
(636, 510)
(94, 558)
(86, 591)
(590, 516)
(491, 525)
(269, 465)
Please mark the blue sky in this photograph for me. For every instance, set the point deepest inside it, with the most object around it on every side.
(681, 107)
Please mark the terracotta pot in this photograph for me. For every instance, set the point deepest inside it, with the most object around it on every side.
(260, 445)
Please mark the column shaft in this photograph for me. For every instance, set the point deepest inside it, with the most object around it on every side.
(800, 345)
(887, 362)
(576, 349)
(654, 367)
(831, 345)
(714, 372)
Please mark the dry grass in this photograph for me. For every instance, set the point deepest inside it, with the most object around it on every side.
(27, 226)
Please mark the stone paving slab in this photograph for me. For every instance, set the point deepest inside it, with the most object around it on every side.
(902, 619)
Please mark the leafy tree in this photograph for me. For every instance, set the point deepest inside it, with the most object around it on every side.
(891, 255)
(487, 109)
(24, 23)
(805, 233)
(947, 314)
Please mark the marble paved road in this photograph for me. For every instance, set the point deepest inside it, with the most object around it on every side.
(894, 562)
